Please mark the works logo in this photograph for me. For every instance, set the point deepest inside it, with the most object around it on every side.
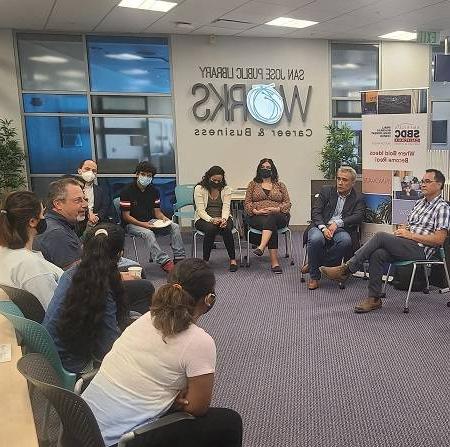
(263, 102)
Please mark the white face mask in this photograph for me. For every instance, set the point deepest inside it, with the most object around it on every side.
(88, 176)
(144, 180)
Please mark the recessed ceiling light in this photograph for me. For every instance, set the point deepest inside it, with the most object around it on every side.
(291, 23)
(49, 59)
(399, 35)
(124, 56)
(150, 5)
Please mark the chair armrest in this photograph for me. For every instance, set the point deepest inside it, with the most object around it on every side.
(161, 422)
(83, 380)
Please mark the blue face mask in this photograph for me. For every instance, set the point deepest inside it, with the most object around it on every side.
(144, 180)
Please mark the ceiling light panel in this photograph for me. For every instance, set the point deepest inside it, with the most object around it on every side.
(149, 5)
(399, 35)
(291, 23)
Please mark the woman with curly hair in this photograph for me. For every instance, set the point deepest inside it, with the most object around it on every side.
(88, 308)
(212, 199)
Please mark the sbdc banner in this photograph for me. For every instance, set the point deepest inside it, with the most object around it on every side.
(395, 142)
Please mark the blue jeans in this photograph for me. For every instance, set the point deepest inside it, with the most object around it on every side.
(149, 236)
(322, 251)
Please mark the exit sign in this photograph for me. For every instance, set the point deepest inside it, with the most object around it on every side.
(429, 37)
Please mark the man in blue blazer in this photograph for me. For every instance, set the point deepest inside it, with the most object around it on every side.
(99, 203)
(335, 217)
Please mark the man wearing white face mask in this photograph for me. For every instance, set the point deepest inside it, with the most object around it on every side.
(140, 206)
(99, 203)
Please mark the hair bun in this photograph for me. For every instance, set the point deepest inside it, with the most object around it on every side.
(101, 231)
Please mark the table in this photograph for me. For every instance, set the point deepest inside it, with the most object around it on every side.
(17, 427)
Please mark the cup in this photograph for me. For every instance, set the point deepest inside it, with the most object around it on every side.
(136, 271)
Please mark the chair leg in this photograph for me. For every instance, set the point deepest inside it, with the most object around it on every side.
(292, 248)
(194, 245)
(135, 250)
(383, 290)
(446, 289)
(248, 250)
(305, 257)
(425, 272)
(406, 308)
(240, 249)
(286, 253)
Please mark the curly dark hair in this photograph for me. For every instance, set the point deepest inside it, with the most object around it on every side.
(274, 176)
(97, 275)
(17, 210)
(172, 306)
(145, 166)
(213, 170)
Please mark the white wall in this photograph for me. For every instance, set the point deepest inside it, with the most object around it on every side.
(9, 97)
(296, 157)
(404, 65)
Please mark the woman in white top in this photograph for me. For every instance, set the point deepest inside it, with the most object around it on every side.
(21, 219)
(165, 362)
(212, 199)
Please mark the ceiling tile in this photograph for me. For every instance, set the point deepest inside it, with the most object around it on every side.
(257, 12)
(215, 31)
(128, 20)
(267, 31)
(28, 14)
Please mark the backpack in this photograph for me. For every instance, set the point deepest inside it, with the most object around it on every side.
(402, 278)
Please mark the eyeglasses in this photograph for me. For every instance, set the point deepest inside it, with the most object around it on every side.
(427, 181)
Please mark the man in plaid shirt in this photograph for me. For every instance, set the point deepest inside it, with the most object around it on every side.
(427, 229)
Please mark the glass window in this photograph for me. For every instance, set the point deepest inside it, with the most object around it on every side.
(165, 185)
(354, 67)
(356, 126)
(39, 185)
(440, 124)
(121, 143)
(51, 62)
(136, 105)
(46, 103)
(344, 108)
(129, 64)
(57, 144)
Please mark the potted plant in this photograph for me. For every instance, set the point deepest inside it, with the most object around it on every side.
(11, 159)
(339, 150)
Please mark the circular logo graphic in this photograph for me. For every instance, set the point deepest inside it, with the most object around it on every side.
(265, 104)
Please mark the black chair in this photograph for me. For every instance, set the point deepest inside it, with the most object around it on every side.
(79, 426)
(28, 304)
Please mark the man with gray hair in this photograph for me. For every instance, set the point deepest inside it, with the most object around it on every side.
(66, 205)
(333, 233)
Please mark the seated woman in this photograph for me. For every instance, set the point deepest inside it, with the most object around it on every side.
(89, 307)
(212, 199)
(165, 362)
(21, 219)
(267, 206)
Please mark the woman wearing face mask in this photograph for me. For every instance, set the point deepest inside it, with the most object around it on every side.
(212, 199)
(267, 206)
(173, 369)
(21, 219)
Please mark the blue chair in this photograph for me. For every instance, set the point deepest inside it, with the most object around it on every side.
(287, 233)
(184, 196)
(116, 203)
(440, 261)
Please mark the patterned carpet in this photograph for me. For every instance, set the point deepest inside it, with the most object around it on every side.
(303, 370)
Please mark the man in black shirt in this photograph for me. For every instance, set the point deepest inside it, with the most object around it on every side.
(139, 203)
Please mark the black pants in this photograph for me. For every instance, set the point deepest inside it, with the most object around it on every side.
(211, 231)
(139, 293)
(381, 249)
(272, 222)
(220, 427)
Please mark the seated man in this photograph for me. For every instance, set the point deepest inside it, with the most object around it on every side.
(333, 232)
(61, 246)
(99, 203)
(427, 228)
(139, 202)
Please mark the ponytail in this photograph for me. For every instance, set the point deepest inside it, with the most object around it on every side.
(172, 309)
(173, 305)
(16, 212)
